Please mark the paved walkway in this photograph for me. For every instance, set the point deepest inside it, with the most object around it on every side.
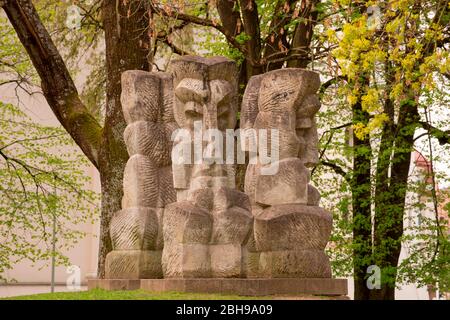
(22, 290)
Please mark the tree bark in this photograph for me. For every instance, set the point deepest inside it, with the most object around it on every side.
(230, 18)
(383, 195)
(361, 206)
(301, 44)
(388, 225)
(250, 18)
(127, 48)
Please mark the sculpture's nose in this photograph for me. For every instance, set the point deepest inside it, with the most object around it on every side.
(210, 116)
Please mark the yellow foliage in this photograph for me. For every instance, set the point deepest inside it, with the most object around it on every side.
(375, 123)
(370, 101)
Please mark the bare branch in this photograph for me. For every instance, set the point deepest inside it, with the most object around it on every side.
(442, 136)
(336, 169)
(172, 46)
(199, 21)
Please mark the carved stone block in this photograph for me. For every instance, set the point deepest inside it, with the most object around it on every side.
(185, 223)
(206, 230)
(146, 96)
(135, 229)
(140, 182)
(226, 260)
(133, 264)
(148, 139)
(290, 231)
(186, 260)
(292, 226)
(294, 264)
(288, 185)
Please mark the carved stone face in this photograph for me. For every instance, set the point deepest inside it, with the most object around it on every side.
(205, 91)
(285, 100)
(207, 101)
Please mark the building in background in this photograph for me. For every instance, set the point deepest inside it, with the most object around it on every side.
(84, 253)
(415, 217)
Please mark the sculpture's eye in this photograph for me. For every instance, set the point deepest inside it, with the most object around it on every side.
(191, 90)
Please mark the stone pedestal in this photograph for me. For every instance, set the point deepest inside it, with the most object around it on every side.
(243, 287)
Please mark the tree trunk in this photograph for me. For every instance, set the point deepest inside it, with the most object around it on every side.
(301, 44)
(127, 48)
(250, 18)
(388, 227)
(361, 206)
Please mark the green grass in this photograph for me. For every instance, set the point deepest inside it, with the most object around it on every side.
(99, 294)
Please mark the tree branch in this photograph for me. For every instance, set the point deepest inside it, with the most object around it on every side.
(199, 21)
(304, 31)
(336, 169)
(442, 136)
(250, 18)
(172, 46)
(330, 82)
(57, 84)
(276, 40)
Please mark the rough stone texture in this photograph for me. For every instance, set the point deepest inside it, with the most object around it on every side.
(331, 288)
(290, 231)
(136, 230)
(294, 264)
(148, 139)
(286, 100)
(313, 196)
(133, 264)
(289, 185)
(206, 229)
(140, 182)
(292, 226)
(186, 260)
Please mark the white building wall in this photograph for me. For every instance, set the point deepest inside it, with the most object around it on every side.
(84, 254)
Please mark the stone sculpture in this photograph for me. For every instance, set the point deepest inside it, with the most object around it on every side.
(205, 231)
(136, 230)
(290, 229)
(186, 219)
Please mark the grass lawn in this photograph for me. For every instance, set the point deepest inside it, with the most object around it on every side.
(99, 294)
